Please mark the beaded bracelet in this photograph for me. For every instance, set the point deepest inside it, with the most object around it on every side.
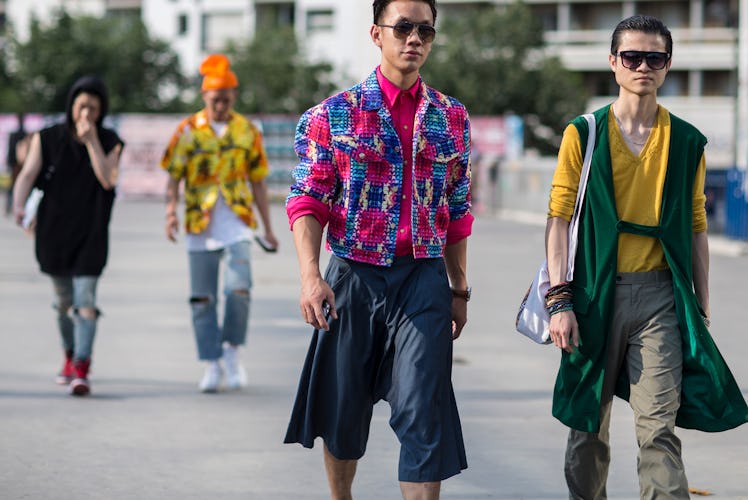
(559, 298)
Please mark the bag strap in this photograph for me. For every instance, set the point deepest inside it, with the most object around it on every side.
(581, 191)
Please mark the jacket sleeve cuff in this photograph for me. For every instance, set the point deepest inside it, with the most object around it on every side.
(299, 206)
(460, 229)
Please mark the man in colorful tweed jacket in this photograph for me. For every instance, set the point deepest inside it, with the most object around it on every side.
(350, 159)
(386, 166)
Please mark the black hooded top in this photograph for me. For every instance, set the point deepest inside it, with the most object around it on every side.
(72, 228)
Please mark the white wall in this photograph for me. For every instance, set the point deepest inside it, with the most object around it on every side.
(20, 12)
(347, 45)
(162, 19)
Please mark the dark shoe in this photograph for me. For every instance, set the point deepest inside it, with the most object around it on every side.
(67, 374)
(80, 385)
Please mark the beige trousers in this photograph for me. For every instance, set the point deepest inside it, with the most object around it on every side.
(645, 341)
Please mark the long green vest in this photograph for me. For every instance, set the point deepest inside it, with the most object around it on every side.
(710, 398)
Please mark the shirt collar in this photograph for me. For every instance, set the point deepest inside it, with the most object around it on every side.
(201, 119)
(392, 91)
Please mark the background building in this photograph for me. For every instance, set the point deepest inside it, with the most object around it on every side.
(707, 84)
(702, 86)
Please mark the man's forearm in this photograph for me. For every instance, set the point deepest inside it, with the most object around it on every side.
(701, 269)
(557, 249)
(105, 166)
(455, 259)
(260, 193)
(307, 237)
(172, 196)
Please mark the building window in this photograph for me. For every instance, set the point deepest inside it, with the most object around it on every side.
(182, 24)
(547, 14)
(274, 15)
(221, 27)
(600, 84)
(673, 13)
(319, 20)
(595, 16)
(719, 83)
(676, 85)
(721, 13)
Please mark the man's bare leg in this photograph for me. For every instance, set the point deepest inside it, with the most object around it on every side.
(340, 475)
(420, 491)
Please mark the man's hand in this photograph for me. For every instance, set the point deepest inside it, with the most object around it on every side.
(565, 331)
(172, 227)
(315, 295)
(84, 128)
(19, 213)
(459, 316)
(268, 242)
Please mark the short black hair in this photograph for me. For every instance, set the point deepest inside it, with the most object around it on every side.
(645, 24)
(380, 5)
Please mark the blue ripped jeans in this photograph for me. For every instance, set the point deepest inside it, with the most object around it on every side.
(77, 332)
(237, 282)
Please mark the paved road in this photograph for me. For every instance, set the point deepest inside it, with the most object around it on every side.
(147, 433)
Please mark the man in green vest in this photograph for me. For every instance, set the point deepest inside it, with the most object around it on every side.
(633, 322)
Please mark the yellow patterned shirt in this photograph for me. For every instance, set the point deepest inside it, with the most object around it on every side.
(211, 165)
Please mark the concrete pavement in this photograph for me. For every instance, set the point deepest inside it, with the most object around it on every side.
(147, 433)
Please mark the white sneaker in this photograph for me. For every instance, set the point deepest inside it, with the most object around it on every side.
(236, 375)
(212, 377)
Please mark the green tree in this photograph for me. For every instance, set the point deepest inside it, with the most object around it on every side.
(492, 59)
(275, 76)
(142, 74)
(11, 100)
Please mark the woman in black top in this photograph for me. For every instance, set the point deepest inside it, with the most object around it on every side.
(75, 164)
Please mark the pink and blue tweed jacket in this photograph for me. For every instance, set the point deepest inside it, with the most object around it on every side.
(350, 159)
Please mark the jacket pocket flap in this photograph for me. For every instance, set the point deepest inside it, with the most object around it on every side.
(359, 150)
(440, 150)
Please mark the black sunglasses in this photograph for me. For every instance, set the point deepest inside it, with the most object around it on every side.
(403, 29)
(632, 59)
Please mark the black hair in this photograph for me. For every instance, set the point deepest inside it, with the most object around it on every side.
(380, 5)
(90, 84)
(645, 24)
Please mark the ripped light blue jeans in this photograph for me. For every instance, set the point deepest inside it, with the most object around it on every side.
(72, 294)
(237, 283)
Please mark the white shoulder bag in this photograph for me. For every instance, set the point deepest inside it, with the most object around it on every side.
(533, 319)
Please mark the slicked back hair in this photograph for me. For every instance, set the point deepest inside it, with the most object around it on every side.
(645, 24)
(379, 6)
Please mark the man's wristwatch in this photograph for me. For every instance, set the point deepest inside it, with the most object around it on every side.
(463, 294)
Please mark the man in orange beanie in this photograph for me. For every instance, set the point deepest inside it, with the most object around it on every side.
(221, 158)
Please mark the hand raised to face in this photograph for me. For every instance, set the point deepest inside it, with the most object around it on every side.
(86, 112)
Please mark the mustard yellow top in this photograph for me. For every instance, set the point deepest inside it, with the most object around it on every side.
(638, 183)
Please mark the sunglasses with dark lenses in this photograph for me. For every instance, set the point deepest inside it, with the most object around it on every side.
(632, 59)
(403, 29)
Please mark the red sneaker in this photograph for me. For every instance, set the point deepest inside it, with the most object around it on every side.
(67, 374)
(80, 385)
